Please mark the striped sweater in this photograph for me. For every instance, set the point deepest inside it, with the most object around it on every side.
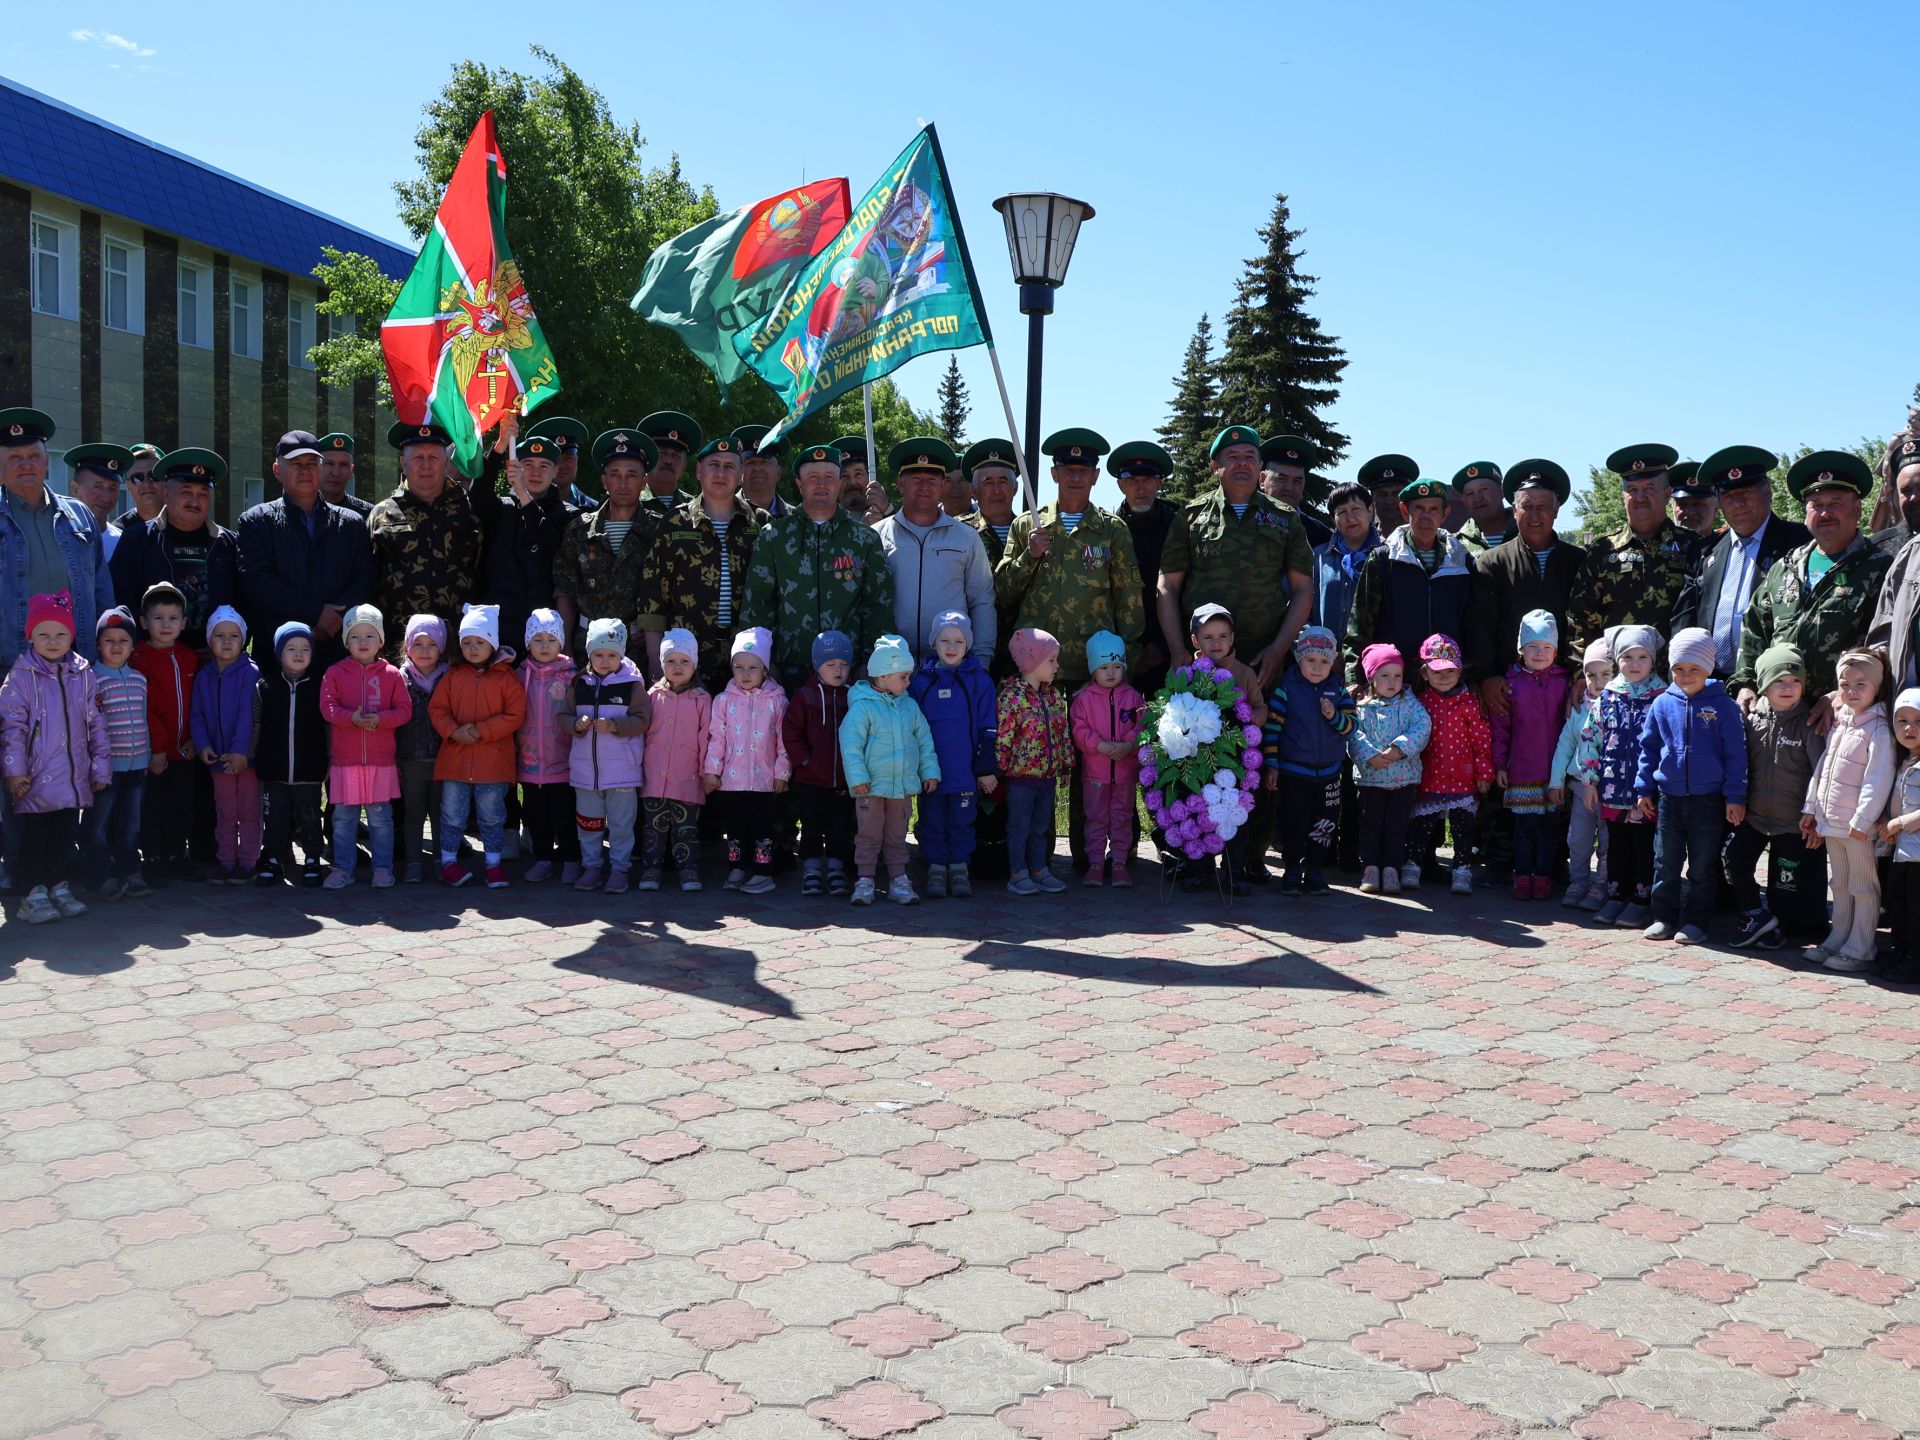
(123, 700)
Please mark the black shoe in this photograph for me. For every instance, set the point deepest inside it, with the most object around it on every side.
(1493, 878)
(156, 876)
(1315, 884)
(267, 873)
(1258, 875)
(1772, 940)
(1755, 926)
(1239, 888)
(1192, 878)
(1291, 884)
(313, 874)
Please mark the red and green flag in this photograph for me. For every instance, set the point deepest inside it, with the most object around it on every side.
(723, 275)
(462, 344)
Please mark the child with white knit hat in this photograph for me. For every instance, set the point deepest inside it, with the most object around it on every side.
(746, 760)
(679, 714)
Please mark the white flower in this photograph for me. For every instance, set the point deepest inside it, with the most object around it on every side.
(1224, 779)
(1187, 724)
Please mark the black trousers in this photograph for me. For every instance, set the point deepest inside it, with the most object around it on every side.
(1630, 862)
(1902, 894)
(1384, 819)
(826, 822)
(1796, 877)
(292, 810)
(48, 853)
(749, 821)
(167, 818)
(551, 833)
(1307, 812)
(1430, 830)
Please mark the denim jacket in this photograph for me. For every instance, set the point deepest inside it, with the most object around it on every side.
(87, 576)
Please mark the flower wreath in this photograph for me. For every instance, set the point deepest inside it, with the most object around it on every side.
(1199, 758)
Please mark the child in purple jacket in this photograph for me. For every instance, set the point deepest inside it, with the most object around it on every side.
(222, 723)
(1523, 744)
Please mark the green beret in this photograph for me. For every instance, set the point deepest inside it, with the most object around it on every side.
(996, 451)
(669, 429)
(1233, 435)
(21, 426)
(750, 437)
(1476, 470)
(1536, 475)
(336, 441)
(545, 448)
(1829, 470)
(624, 445)
(853, 451)
(565, 432)
(923, 452)
(721, 445)
(817, 455)
(1778, 662)
(1733, 467)
(1422, 490)
(1642, 461)
(1390, 471)
(400, 434)
(193, 465)
(1076, 446)
(1290, 450)
(1139, 457)
(108, 460)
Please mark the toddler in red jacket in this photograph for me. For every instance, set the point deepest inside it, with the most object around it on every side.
(1457, 765)
(811, 728)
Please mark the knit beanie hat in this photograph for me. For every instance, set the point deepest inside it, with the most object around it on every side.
(831, 645)
(1539, 625)
(481, 620)
(607, 634)
(546, 622)
(680, 642)
(118, 617)
(1374, 656)
(757, 642)
(1597, 650)
(1693, 646)
(1440, 652)
(1032, 647)
(1622, 638)
(1778, 662)
(57, 608)
(950, 618)
(1315, 637)
(1908, 699)
(431, 626)
(1105, 648)
(890, 657)
(227, 615)
(292, 630)
(362, 615)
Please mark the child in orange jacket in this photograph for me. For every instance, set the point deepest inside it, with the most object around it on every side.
(478, 708)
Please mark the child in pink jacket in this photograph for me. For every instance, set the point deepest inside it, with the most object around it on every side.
(546, 748)
(679, 715)
(1105, 716)
(747, 760)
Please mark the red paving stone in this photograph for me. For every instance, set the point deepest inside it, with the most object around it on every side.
(1430, 1170)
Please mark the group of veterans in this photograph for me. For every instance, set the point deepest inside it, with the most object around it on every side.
(1390, 556)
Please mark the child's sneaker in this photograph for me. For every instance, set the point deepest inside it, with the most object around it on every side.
(649, 878)
(959, 883)
(1409, 877)
(267, 873)
(1094, 878)
(1842, 963)
(863, 890)
(589, 878)
(736, 877)
(1046, 880)
(338, 879)
(1633, 917)
(1523, 887)
(1755, 926)
(1462, 880)
(1292, 882)
(383, 879)
(1370, 880)
(1389, 880)
(1658, 930)
(454, 873)
(497, 877)
(1021, 885)
(38, 908)
(220, 875)
(690, 878)
(411, 876)
(1121, 880)
(900, 890)
(313, 874)
(836, 877)
(1596, 897)
(1543, 887)
(617, 882)
(1609, 913)
(111, 888)
(758, 885)
(1576, 892)
(66, 902)
(1690, 935)
(135, 887)
(570, 872)
(936, 882)
(538, 871)
(813, 878)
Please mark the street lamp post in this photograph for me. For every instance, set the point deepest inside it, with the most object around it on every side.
(1041, 231)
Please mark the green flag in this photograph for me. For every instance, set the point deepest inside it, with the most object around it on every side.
(894, 283)
(724, 274)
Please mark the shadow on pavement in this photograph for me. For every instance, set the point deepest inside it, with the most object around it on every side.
(650, 955)
(1285, 970)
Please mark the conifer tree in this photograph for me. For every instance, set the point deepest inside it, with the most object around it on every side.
(1193, 419)
(955, 405)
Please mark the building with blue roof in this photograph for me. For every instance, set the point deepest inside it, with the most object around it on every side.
(146, 295)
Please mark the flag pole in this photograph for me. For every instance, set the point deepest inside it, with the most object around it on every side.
(1013, 434)
(866, 405)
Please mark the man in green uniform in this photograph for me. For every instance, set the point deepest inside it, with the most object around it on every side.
(1237, 547)
(817, 568)
(675, 437)
(1286, 462)
(1481, 485)
(1142, 467)
(426, 538)
(603, 554)
(1695, 504)
(760, 469)
(336, 474)
(698, 565)
(1820, 596)
(1069, 567)
(1635, 575)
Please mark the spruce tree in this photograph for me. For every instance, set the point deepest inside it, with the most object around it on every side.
(1193, 419)
(1279, 371)
(955, 405)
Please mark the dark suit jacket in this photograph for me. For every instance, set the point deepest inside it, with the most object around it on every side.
(1506, 585)
(1700, 598)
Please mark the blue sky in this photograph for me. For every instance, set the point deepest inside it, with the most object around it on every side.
(1538, 229)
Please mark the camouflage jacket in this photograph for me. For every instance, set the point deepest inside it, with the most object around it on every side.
(1477, 542)
(1002, 665)
(1821, 619)
(1239, 561)
(600, 580)
(1087, 582)
(426, 557)
(1628, 579)
(806, 578)
(682, 587)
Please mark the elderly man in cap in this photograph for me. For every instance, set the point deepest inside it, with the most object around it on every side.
(94, 475)
(817, 568)
(1819, 597)
(182, 545)
(522, 532)
(760, 469)
(956, 496)
(336, 474)
(1141, 468)
(1285, 463)
(675, 437)
(1482, 488)
(697, 566)
(1717, 595)
(301, 558)
(938, 563)
(1417, 584)
(426, 538)
(600, 570)
(1635, 575)
(1695, 506)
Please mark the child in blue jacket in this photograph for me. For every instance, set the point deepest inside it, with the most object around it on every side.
(1693, 757)
(1309, 717)
(955, 693)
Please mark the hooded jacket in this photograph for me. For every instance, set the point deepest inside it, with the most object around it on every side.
(811, 730)
(744, 745)
(490, 698)
(1851, 783)
(1036, 735)
(1781, 753)
(1694, 745)
(616, 761)
(1609, 749)
(1461, 753)
(349, 687)
(1381, 725)
(1097, 715)
(962, 716)
(886, 744)
(677, 726)
(1297, 739)
(1524, 738)
(53, 732)
(170, 674)
(545, 741)
(223, 707)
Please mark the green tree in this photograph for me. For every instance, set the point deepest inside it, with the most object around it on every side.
(1193, 419)
(1279, 371)
(357, 297)
(894, 420)
(955, 405)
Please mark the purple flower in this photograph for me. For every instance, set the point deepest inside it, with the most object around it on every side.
(1250, 757)
(1149, 775)
(1242, 711)
(1251, 734)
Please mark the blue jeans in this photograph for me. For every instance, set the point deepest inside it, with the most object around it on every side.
(1535, 843)
(1689, 829)
(489, 801)
(346, 828)
(1029, 827)
(110, 843)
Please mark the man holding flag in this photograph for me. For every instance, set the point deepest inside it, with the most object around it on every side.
(426, 539)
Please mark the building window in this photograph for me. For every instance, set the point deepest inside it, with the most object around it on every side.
(56, 281)
(299, 331)
(246, 318)
(196, 305)
(122, 287)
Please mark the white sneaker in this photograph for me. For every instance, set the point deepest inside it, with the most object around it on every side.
(736, 877)
(1409, 877)
(1845, 964)
(1370, 880)
(38, 908)
(863, 890)
(901, 892)
(1390, 880)
(66, 902)
(1463, 879)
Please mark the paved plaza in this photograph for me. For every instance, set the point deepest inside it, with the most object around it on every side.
(531, 1164)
